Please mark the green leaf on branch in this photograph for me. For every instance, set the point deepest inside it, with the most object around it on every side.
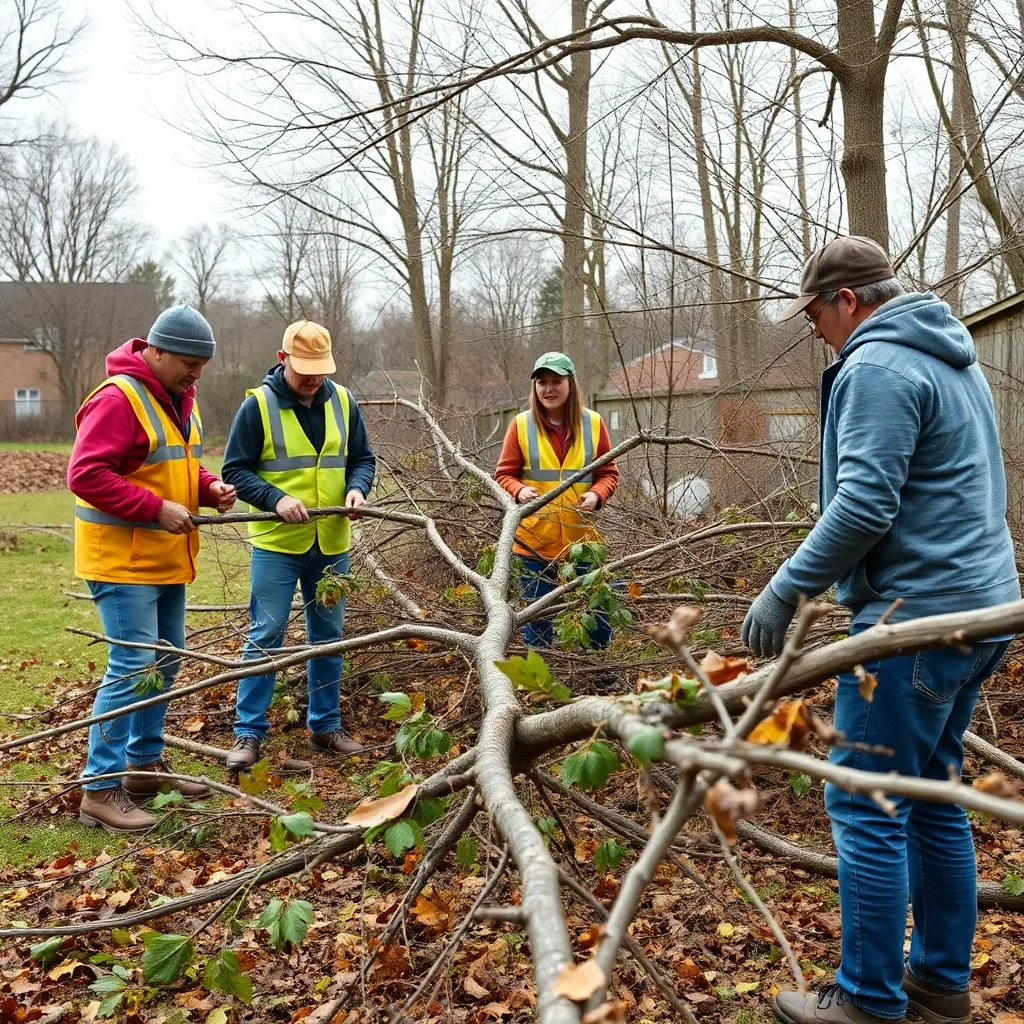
(173, 796)
(48, 951)
(547, 827)
(165, 957)
(466, 852)
(533, 675)
(421, 739)
(256, 779)
(399, 706)
(1013, 884)
(428, 809)
(608, 856)
(485, 563)
(590, 766)
(403, 835)
(151, 681)
(286, 922)
(800, 783)
(588, 553)
(646, 744)
(223, 974)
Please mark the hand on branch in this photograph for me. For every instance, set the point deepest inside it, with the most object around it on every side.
(527, 494)
(353, 500)
(764, 628)
(291, 510)
(588, 502)
(223, 495)
(175, 518)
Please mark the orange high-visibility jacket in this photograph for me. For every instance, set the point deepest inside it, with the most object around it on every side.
(558, 524)
(113, 550)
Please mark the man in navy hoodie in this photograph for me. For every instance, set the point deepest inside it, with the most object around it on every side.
(913, 506)
(297, 442)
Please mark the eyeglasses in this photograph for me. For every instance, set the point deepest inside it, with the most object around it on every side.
(811, 316)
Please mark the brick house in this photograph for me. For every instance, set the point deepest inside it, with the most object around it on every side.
(53, 338)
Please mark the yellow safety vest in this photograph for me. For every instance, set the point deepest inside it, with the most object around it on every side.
(290, 462)
(113, 550)
(558, 524)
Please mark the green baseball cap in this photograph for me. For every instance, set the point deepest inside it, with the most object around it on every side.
(556, 362)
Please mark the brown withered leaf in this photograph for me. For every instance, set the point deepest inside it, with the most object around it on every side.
(690, 973)
(789, 724)
(67, 968)
(392, 962)
(723, 670)
(375, 812)
(590, 937)
(121, 898)
(868, 682)
(726, 804)
(194, 723)
(579, 981)
(434, 911)
(673, 633)
(634, 590)
(997, 784)
(613, 1011)
(474, 988)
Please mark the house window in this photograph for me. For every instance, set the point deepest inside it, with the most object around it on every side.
(613, 419)
(27, 402)
(792, 426)
(710, 368)
(47, 339)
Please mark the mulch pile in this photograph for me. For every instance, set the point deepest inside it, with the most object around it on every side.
(30, 471)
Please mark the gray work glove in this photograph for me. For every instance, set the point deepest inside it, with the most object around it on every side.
(764, 628)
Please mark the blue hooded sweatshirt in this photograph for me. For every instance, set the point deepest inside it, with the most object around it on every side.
(912, 488)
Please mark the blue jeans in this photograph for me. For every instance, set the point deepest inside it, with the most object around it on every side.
(921, 708)
(539, 578)
(141, 613)
(274, 576)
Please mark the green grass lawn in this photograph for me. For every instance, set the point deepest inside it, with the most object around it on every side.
(39, 660)
(35, 446)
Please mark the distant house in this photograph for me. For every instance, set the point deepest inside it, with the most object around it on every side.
(998, 332)
(53, 338)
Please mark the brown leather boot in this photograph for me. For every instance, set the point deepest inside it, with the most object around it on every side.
(142, 788)
(829, 1005)
(244, 754)
(337, 744)
(113, 810)
(936, 1005)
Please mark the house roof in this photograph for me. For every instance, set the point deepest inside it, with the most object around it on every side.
(101, 310)
(995, 311)
(676, 366)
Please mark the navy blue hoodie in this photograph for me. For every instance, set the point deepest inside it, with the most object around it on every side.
(245, 443)
(913, 493)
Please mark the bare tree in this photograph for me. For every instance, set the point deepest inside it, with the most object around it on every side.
(65, 205)
(202, 257)
(34, 44)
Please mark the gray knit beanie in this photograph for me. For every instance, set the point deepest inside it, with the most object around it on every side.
(184, 331)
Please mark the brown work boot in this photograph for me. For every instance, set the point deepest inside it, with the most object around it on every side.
(337, 744)
(113, 810)
(244, 754)
(936, 1005)
(142, 787)
(831, 1005)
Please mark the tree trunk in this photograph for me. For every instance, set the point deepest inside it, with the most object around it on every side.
(798, 130)
(573, 243)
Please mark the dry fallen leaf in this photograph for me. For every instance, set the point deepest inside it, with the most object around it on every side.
(997, 784)
(474, 988)
(726, 804)
(789, 724)
(67, 968)
(726, 930)
(743, 987)
(375, 812)
(613, 1011)
(435, 911)
(194, 723)
(634, 590)
(692, 974)
(121, 898)
(673, 633)
(723, 670)
(868, 682)
(579, 981)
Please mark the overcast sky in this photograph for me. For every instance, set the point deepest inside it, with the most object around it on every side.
(116, 96)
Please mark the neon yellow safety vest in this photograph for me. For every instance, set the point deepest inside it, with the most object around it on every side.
(113, 550)
(558, 524)
(290, 462)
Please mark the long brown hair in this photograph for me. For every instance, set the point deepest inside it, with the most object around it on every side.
(573, 409)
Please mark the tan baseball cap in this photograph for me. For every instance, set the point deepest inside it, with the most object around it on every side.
(309, 346)
(850, 261)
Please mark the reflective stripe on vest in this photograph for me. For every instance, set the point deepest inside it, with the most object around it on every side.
(115, 550)
(533, 454)
(289, 462)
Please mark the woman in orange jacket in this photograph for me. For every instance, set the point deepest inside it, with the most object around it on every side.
(555, 438)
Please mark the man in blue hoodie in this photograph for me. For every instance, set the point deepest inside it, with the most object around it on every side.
(297, 442)
(913, 506)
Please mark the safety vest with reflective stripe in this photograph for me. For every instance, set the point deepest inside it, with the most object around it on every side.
(558, 524)
(113, 550)
(289, 461)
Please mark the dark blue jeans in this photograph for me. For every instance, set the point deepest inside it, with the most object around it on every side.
(921, 708)
(539, 578)
(274, 576)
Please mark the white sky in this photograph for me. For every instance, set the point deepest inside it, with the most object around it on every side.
(117, 97)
